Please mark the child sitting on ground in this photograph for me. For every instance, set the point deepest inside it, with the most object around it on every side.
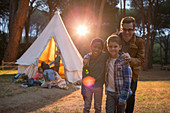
(36, 79)
(52, 78)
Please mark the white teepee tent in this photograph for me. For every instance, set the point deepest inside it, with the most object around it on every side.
(71, 58)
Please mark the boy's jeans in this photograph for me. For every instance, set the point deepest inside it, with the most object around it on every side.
(131, 100)
(98, 94)
(112, 104)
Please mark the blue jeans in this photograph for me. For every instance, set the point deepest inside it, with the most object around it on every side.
(112, 104)
(33, 82)
(131, 100)
(98, 94)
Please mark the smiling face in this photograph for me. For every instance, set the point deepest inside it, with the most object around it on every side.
(96, 49)
(127, 31)
(114, 48)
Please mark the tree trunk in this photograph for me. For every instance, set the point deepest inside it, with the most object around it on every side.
(143, 19)
(27, 24)
(166, 51)
(166, 56)
(121, 15)
(50, 8)
(155, 27)
(16, 31)
(161, 55)
(146, 65)
(100, 17)
(124, 8)
(151, 52)
(12, 8)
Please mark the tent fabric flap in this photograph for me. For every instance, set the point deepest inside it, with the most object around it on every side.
(73, 76)
(29, 70)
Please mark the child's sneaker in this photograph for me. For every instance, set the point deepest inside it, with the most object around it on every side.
(24, 85)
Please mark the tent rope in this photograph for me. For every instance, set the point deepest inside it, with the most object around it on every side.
(8, 88)
(11, 83)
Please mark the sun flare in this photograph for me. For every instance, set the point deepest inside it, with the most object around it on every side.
(82, 30)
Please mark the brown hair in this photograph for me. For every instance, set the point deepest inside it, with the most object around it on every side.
(44, 66)
(128, 20)
(114, 38)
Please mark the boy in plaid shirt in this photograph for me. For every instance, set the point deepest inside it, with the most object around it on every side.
(117, 78)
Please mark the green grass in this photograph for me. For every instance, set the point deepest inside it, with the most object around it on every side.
(56, 108)
(153, 97)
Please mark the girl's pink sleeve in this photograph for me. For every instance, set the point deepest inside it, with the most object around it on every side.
(35, 76)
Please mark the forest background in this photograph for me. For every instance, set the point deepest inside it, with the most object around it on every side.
(22, 21)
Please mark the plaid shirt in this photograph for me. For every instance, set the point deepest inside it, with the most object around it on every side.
(122, 78)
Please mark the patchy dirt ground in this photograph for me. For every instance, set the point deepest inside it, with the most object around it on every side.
(14, 99)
